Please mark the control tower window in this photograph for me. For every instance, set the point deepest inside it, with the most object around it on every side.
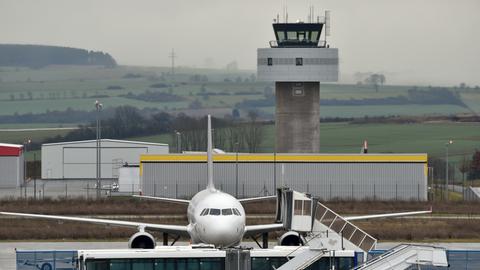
(299, 61)
(269, 61)
(281, 36)
(292, 35)
(301, 36)
(314, 36)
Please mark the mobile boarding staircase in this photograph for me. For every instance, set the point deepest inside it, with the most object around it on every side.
(324, 230)
(405, 256)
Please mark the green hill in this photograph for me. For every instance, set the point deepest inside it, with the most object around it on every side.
(37, 56)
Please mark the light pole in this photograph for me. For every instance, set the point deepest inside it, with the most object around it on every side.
(236, 170)
(179, 141)
(26, 143)
(446, 168)
(98, 107)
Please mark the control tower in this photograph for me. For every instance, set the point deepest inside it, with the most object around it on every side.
(297, 61)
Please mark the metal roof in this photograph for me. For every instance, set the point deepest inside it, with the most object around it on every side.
(232, 157)
(7, 149)
(105, 140)
(11, 145)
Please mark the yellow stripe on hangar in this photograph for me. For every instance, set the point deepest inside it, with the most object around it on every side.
(232, 157)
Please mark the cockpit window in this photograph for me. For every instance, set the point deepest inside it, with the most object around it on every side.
(215, 212)
(227, 212)
(236, 212)
(204, 212)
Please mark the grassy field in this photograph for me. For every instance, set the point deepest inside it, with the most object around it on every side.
(24, 90)
(36, 125)
(384, 110)
(382, 138)
(62, 87)
(18, 137)
(343, 138)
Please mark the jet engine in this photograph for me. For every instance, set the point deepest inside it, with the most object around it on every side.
(290, 239)
(142, 240)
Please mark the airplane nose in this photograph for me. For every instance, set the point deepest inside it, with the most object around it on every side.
(223, 235)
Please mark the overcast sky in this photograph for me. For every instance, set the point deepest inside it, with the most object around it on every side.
(411, 41)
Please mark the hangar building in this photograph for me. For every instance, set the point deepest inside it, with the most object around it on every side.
(11, 165)
(77, 160)
(328, 176)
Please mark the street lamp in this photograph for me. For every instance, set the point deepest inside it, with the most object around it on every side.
(446, 168)
(236, 170)
(179, 141)
(98, 107)
(25, 144)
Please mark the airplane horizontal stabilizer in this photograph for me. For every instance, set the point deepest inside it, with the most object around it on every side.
(251, 230)
(180, 201)
(254, 199)
(402, 214)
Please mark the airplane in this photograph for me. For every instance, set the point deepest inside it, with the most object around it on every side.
(215, 218)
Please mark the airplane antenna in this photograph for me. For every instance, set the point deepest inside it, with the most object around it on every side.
(209, 155)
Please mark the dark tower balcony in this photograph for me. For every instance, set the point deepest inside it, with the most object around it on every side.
(297, 35)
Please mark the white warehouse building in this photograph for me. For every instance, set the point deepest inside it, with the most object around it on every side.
(11, 165)
(77, 159)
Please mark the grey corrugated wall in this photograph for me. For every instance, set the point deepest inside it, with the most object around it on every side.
(382, 181)
(11, 171)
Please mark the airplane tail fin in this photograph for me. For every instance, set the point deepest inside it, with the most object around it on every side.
(210, 184)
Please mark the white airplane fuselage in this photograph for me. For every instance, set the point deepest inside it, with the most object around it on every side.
(215, 218)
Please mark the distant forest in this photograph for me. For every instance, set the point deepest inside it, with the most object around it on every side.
(37, 56)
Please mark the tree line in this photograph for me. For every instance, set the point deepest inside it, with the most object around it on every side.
(468, 167)
(37, 56)
(431, 96)
(230, 134)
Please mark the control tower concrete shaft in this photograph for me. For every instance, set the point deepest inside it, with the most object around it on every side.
(297, 61)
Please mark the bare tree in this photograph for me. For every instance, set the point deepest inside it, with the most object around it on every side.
(376, 80)
(253, 132)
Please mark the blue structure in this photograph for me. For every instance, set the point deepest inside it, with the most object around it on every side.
(47, 260)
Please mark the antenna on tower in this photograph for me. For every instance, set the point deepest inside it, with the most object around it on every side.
(327, 25)
(286, 12)
(313, 14)
(327, 22)
(310, 14)
(173, 56)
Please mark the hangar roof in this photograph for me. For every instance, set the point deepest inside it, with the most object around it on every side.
(319, 158)
(105, 140)
(7, 149)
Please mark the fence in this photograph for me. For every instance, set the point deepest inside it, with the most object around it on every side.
(41, 189)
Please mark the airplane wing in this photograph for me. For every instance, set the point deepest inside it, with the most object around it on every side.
(257, 199)
(173, 229)
(179, 201)
(353, 218)
(256, 229)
